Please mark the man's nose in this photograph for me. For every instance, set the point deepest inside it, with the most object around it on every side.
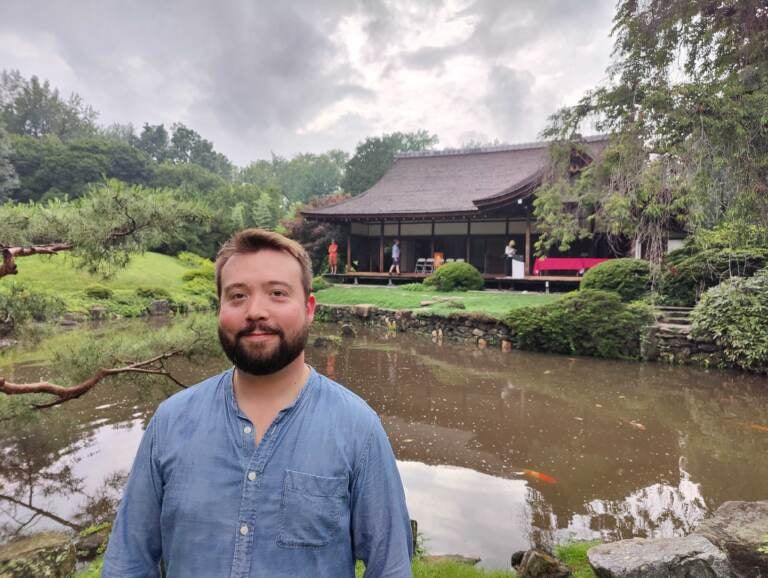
(257, 308)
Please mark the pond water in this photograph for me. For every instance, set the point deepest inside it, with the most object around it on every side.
(497, 451)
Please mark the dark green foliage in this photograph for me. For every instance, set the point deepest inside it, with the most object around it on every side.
(587, 322)
(455, 277)
(315, 236)
(153, 293)
(98, 292)
(318, 284)
(734, 315)
(630, 278)
(688, 272)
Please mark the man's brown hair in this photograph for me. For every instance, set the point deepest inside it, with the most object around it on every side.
(255, 240)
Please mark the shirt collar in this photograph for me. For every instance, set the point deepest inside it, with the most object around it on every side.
(231, 402)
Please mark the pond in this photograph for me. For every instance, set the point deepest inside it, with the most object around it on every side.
(497, 451)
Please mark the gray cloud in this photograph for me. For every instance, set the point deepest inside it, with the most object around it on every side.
(251, 75)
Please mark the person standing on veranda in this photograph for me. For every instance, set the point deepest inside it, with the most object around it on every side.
(333, 257)
(269, 468)
(395, 258)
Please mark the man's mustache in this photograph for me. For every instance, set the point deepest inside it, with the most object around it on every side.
(258, 328)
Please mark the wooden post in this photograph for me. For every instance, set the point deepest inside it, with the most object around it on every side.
(469, 232)
(432, 240)
(349, 248)
(527, 244)
(381, 248)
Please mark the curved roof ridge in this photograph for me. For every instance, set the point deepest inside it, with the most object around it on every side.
(491, 149)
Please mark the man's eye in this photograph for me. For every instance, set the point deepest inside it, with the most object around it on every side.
(237, 296)
(279, 293)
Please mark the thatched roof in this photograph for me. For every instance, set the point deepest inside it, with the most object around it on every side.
(453, 182)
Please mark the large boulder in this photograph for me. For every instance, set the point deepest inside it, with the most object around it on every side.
(690, 557)
(46, 555)
(159, 307)
(741, 530)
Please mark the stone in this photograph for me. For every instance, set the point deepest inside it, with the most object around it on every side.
(46, 555)
(7, 343)
(478, 332)
(159, 307)
(455, 558)
(690, 557)
(506, 345)
(482, 343)
(98, 313)
(517, 557)
(363, 310)
(539, 564)
(348, 331)
(741, 530)
(427, 303)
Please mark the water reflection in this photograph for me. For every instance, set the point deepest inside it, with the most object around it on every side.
(636, 450)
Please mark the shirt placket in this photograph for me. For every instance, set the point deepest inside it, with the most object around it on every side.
(251, 485)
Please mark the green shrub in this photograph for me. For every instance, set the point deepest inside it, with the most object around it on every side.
(455, 277)
(734, 315)
(630, 278)
(153, 293)
(587, 322)
(193, 260)
(19, 304)
(688, 272)
(318, 284)
(98, 292)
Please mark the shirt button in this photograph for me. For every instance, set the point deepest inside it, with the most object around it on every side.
(247, 429)
(243, 530)
(251, 476)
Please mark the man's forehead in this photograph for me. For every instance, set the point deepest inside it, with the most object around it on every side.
(263, 266)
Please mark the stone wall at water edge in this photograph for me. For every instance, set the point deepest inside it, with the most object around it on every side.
(463, 327)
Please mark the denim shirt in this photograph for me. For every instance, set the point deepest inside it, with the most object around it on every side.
(320, 491)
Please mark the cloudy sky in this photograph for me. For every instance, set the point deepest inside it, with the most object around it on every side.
(292, 76)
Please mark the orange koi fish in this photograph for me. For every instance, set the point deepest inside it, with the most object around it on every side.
(756, 426)
(539, 476)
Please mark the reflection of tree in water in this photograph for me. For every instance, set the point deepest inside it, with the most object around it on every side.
(33, 491)
(655, 511)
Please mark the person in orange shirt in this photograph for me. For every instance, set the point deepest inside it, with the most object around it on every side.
(333, 256)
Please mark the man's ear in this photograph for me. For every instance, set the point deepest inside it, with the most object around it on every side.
(311, 304)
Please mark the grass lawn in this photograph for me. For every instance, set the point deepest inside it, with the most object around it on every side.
(575, 556)
(56, 273)
(493, 303)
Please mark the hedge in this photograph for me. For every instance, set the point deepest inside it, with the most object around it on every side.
(735, 316)
(586, 322)
(630, 278)
(455, 277)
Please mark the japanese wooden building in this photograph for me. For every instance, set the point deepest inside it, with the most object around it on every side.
(465, 204)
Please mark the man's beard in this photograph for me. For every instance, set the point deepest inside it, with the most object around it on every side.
(255, 358)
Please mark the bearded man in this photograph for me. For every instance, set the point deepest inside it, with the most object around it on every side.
(268, 469)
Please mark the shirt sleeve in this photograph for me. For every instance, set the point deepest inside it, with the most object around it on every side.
(134, 548)
(381, 528)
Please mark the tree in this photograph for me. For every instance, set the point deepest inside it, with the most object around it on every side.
(374, 156)
(315, 236)
(300, 178)
(49, 167)
(153, 140)
(689, 143)
(102, 230)
(33, 108)
(9, 180)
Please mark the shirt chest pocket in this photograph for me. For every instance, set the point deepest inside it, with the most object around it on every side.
(311, 509)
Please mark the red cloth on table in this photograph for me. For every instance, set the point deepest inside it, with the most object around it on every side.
(565, 264)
